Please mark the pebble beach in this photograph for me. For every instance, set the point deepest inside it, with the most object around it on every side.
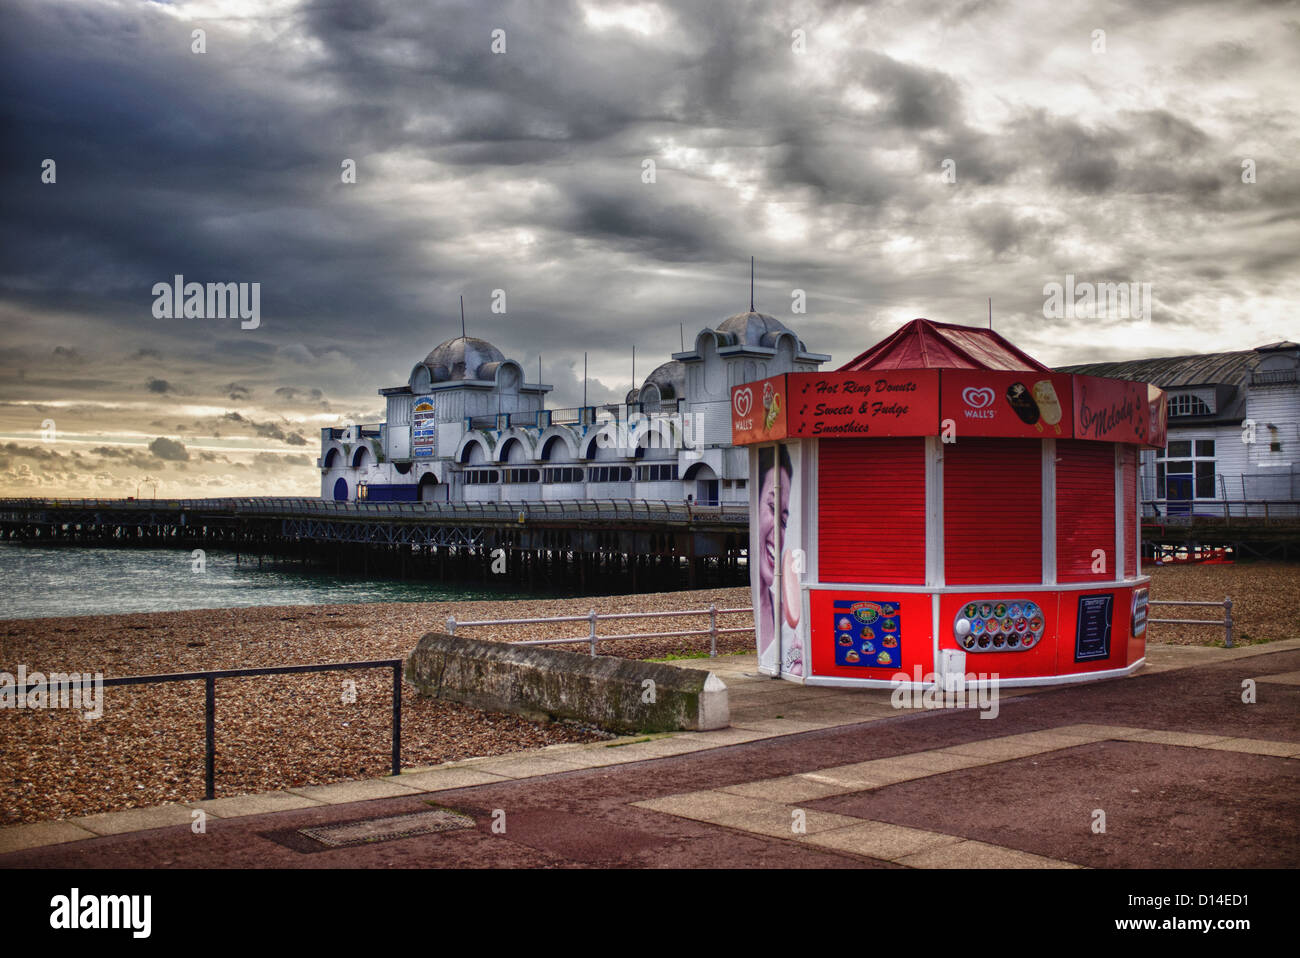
(280, 731)
(286, 731)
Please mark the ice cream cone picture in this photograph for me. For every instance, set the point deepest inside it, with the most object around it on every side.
(1049, 407)
(771, 403)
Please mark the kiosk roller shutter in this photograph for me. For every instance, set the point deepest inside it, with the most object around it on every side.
(871, 510)
(993, 477)
(1085, 509)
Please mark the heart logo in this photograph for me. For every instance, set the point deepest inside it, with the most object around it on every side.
(977, 398)
(743, 401)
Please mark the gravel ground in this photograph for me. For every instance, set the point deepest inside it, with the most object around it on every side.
(286, 731)
(277, 731)
(1265, 601)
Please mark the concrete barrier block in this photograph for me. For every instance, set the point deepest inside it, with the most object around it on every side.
(621, 695)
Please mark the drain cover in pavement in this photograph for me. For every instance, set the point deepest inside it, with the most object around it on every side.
(371, 831)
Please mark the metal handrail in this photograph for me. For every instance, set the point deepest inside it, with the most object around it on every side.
(1219, 509)
(210, 677)
(593, 617)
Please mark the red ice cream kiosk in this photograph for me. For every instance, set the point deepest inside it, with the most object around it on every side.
(946, 504)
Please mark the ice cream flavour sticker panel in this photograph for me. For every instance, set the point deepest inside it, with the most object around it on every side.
(868, 634)
(1019, 403)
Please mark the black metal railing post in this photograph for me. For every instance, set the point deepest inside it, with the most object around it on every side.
(210, 766)
(397, 717)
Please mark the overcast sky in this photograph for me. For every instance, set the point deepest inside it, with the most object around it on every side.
(810, 136)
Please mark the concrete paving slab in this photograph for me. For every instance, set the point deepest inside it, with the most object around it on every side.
(787, 789)
(782, 726)
(702, 806)
(882, 840)
(441, 779)
(1001, 749)
(971, 854)
(19, 837)
(1093, 733)
(874, 774)
(779, 821)
(1254, 746)
(1281, 678)
(531, 766)
(938, 761)
(1162, 737)
(1049, 740)
(363, 791)
(728, 736)
(614, 755)
(135, 819)
(237, 806)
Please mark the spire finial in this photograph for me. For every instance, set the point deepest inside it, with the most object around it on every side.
(751, 284)
(462, 317)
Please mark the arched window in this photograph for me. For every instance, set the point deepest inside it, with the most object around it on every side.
(1188, 404)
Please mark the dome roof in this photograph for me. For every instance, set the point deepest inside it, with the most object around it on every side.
(754, 329)
(670, 378)
(463, 358)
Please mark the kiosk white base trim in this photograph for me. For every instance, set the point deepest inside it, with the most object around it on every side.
(1025, 682)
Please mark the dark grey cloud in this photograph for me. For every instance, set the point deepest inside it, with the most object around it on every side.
(169, 449)
(523, 172)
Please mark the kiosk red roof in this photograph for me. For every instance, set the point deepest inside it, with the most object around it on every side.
(922, 344)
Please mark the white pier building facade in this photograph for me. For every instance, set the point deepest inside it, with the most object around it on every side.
(468, 427)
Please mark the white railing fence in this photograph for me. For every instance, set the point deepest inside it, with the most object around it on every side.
(1225, 622)
(593, 618)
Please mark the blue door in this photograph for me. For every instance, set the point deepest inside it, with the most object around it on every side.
(1179, 495)
(341, 490)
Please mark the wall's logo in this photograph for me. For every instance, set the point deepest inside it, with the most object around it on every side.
(743, 402)
(977, 398)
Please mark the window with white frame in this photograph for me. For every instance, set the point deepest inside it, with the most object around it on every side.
(562, 474)
(1186, 465)
(658, 472)
(609, 474)
(1188, 404)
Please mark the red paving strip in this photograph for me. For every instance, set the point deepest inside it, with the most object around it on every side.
(1219, 808)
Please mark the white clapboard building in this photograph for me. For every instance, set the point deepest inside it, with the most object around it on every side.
(1234, 431)
(466, 426)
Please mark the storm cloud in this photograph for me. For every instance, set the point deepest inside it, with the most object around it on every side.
(611, 170)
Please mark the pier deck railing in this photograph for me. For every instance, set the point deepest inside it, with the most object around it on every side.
(210, 683)
(512, 511)
(593, 618)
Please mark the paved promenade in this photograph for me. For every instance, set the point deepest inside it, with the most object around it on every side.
(1178, 770)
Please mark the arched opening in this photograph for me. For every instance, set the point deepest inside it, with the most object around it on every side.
(473, 453)
(429, 488)
(513, 451)
(555, 448)
(341, 490)
(702, 484)
(333, 459)
(360, 456)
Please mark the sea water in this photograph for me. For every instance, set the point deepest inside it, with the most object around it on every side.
(42, 581)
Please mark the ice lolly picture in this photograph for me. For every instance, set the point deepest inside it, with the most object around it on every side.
(1049, 407)
(1022, 403)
